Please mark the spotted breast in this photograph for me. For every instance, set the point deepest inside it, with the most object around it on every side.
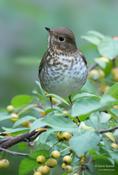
(64, 74)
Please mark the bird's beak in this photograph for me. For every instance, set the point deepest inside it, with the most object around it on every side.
(48, 29)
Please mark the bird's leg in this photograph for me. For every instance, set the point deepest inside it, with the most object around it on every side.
(51, 102)
(70, 99)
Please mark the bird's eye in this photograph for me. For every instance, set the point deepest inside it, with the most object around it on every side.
(61, 38)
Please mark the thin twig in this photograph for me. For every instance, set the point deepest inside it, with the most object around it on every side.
(108, 130)
(13, 152)
(92, 67)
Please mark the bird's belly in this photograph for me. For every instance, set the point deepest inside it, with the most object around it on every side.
(66, 82)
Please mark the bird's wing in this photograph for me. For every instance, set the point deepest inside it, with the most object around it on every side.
(83, 57)
(43, 61)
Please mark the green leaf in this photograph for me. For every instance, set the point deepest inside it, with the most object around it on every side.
(16, 130)
(96, 155)
(114, 155)
(23, 119)
(41, 91)
(84, 142)
(93, 37)
(86, 105)
(43, 150)
(108, 47)
(45, 135)
(38, 123)
(56, 121)
(4, 116)
(98, 120)
(114, 112)
(81, 95)
(113, 91)
(104, 117)
(60, 123)
(108, 101)
(27, 165)
(105, 64)
(21, 100)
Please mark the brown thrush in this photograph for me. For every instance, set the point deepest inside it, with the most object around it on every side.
(63, 69)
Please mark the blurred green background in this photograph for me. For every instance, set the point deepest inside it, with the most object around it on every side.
(23, 39)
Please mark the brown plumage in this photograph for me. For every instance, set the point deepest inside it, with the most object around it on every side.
(63, 69)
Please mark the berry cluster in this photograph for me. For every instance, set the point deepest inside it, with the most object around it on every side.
(47, 164)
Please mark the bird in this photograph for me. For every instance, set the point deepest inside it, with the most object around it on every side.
(63, 68)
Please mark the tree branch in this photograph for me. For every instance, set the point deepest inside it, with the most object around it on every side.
(108, 130)
(13, 152)
(27, 137)
(30, 136)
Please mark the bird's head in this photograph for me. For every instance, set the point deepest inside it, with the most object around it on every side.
(61, 39)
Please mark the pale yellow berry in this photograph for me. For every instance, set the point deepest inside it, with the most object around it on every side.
(63, 165)
(51, 162)
(82, 160)
(67, 159)
(44, 169)
(65, 113)
(55, 101)
(37, 173)
(96, 74)
(10, 108)
(68, 168)
(26, 124)
(115, 106)
(41, 159)
(4, 163)
(115, 73)
(101, 74)
(103, 88)
(42, 113)
(14, 117)
(59, 136)
(114, 146)
(55, 154)
(66, 135)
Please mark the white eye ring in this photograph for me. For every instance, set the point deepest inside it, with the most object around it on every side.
(61, 38)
